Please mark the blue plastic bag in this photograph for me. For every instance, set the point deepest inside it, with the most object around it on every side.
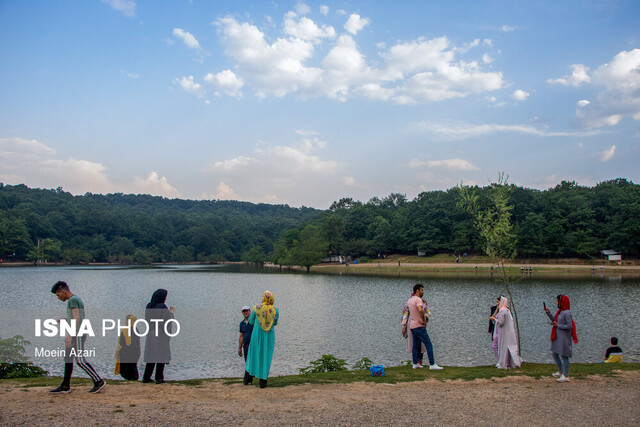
(377, 371)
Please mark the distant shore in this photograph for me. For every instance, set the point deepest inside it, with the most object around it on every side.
(439, 265)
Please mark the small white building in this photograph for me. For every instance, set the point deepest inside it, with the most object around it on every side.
(612, 255)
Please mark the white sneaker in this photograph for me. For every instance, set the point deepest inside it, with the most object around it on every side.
(435, 367)
(417, 366)
(562, 379)
(556, 374)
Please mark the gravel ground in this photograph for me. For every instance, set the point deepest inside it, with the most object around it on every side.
(507, 401)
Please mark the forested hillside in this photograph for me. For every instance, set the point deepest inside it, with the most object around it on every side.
(136, 228)
(566, 221)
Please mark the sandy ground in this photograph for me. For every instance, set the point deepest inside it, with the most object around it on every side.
(481, 266)
(506, 401)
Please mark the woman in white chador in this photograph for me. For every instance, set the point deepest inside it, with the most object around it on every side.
(508, 355)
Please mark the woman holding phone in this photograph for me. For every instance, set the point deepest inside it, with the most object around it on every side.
(562, 333)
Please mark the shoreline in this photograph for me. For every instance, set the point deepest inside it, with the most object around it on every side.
(434, 267)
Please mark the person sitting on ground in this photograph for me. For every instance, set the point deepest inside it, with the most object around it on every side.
(614, 353)
(128, 351)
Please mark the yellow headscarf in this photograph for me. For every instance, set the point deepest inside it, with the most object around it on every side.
(127, 339)
(265, 312)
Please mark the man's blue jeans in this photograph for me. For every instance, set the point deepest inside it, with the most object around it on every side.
(420, 336)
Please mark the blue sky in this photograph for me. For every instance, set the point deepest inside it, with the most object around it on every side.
(307, 102)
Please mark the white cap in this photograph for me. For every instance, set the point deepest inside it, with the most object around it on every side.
(246, 307)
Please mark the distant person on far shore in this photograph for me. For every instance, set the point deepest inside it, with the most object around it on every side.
(562, 335)
(157, 348)
(263, 340)
(614, 353)
(246, 329)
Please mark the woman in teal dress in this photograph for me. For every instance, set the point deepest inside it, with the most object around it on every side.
(263, 340)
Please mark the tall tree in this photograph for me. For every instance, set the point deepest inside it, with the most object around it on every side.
(495, 228)
(310, 249)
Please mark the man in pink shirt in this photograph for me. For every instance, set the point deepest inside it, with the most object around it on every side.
(418, 326)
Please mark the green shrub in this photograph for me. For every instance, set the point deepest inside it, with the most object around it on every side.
(362, 364)
(326, 363)
(15, 362)
(364, 259)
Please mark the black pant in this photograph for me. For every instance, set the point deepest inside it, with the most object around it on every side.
(77, 343)
(148, 370)
(129, 371)
(245, 350)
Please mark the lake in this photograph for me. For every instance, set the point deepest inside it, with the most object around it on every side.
(348, 316)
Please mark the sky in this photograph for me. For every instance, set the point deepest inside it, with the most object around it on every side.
(305, 103)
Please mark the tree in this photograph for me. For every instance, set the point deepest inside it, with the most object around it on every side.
(310, 249)
(255, 255)
(495, 228)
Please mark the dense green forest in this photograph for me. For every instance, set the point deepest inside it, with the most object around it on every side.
(566, 221)
(54, 225)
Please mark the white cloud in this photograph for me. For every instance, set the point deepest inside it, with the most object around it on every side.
(130, 75)
(579, 75)
(226, 81)
(188, 84)
(324, 9)
(276, 68)
(620, 96)
(282, 171)
(156, 185)
(608, 153)
(451, 164)
(302, 8)
(224, 192)
(458, 131)
(127, 7)
(507, 29)
(349, 181)
(233, 164)
(305, 29)
(355, 23)
(374, 91)
(438, 76)
(189, 40)
(32, 163)
(583, 103)
(20, 147)
(520, 95)
(415, 71)
(487, 59)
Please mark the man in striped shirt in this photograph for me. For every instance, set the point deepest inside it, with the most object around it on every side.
(74, 345)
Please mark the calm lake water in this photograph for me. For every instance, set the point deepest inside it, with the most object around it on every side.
(348, 316)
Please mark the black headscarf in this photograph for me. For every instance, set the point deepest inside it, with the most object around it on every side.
(158, 298)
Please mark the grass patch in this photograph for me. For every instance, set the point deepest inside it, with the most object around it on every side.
(398, 374)
(393, 374)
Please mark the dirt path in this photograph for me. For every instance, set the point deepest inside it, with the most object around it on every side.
(483, 266)
(519, 400)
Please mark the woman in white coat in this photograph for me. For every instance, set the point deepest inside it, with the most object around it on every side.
(508, 355)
